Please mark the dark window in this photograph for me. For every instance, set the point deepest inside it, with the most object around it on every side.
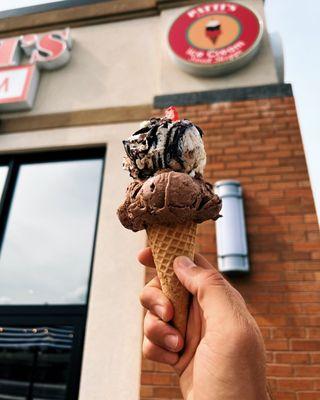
(35, 362)
(48, 217)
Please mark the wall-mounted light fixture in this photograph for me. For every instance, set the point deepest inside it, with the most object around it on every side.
(231, 235)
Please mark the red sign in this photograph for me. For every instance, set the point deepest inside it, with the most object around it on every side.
(215, 37)
(18, 87)
(20, 61)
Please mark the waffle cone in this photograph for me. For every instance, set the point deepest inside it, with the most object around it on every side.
(167, 243)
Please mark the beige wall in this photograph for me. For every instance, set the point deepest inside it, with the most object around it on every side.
(111, 363)
(127, 63)
(113, 64)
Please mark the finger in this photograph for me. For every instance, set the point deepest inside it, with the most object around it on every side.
(193, 277)
(155, 353)
(145, 257)
(208, 286)
(162, 334)
(193, 336)
(202, 261)
(153, 299)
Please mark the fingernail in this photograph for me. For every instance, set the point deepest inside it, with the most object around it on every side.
(185, 262)
(159, 311)
(171, 341)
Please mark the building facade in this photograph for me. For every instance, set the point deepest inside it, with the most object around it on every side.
(71, 282)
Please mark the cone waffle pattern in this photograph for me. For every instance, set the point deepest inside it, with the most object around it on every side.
(167, 243)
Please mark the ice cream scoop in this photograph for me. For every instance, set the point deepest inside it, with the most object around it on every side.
(169, 198)
(162, 143)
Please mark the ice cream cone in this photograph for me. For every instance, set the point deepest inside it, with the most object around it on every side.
(168, 196)
(213, 30)
(167, 243)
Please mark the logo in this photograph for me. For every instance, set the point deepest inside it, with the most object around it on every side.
(22, 59)
(215, 38)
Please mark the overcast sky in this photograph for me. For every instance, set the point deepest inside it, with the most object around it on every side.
(302, 63)
(302, 66)
(10, 4)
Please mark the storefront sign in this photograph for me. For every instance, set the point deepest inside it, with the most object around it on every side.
(20, 61)
(215, 38)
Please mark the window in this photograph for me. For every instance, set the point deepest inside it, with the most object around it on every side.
(49, 234)
(48, 217)
(35, 361)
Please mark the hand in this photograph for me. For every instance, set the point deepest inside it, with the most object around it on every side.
(223, 354)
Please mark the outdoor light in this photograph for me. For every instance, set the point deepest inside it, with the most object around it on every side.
(232, 246)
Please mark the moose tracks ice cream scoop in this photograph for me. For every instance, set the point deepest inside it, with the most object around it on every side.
(168, 197)
(162, 143)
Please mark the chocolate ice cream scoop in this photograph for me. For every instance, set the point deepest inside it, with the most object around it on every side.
(162, 143)
(168, 198)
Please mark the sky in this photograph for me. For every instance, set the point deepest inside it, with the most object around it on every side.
(302, 63)
(10, 4)
(302, 66)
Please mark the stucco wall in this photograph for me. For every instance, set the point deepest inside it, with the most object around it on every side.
(127, 63)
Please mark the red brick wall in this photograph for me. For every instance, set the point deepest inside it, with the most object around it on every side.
(258, 142)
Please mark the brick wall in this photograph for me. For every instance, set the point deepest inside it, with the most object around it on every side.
(258, 142)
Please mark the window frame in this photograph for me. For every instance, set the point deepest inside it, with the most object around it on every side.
(44, 314)
(5, 188)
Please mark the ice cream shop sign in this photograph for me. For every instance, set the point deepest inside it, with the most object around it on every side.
(22, 58)
(215, 38)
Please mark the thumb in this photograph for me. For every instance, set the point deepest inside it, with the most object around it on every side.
(207, 284)
(194, 277)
